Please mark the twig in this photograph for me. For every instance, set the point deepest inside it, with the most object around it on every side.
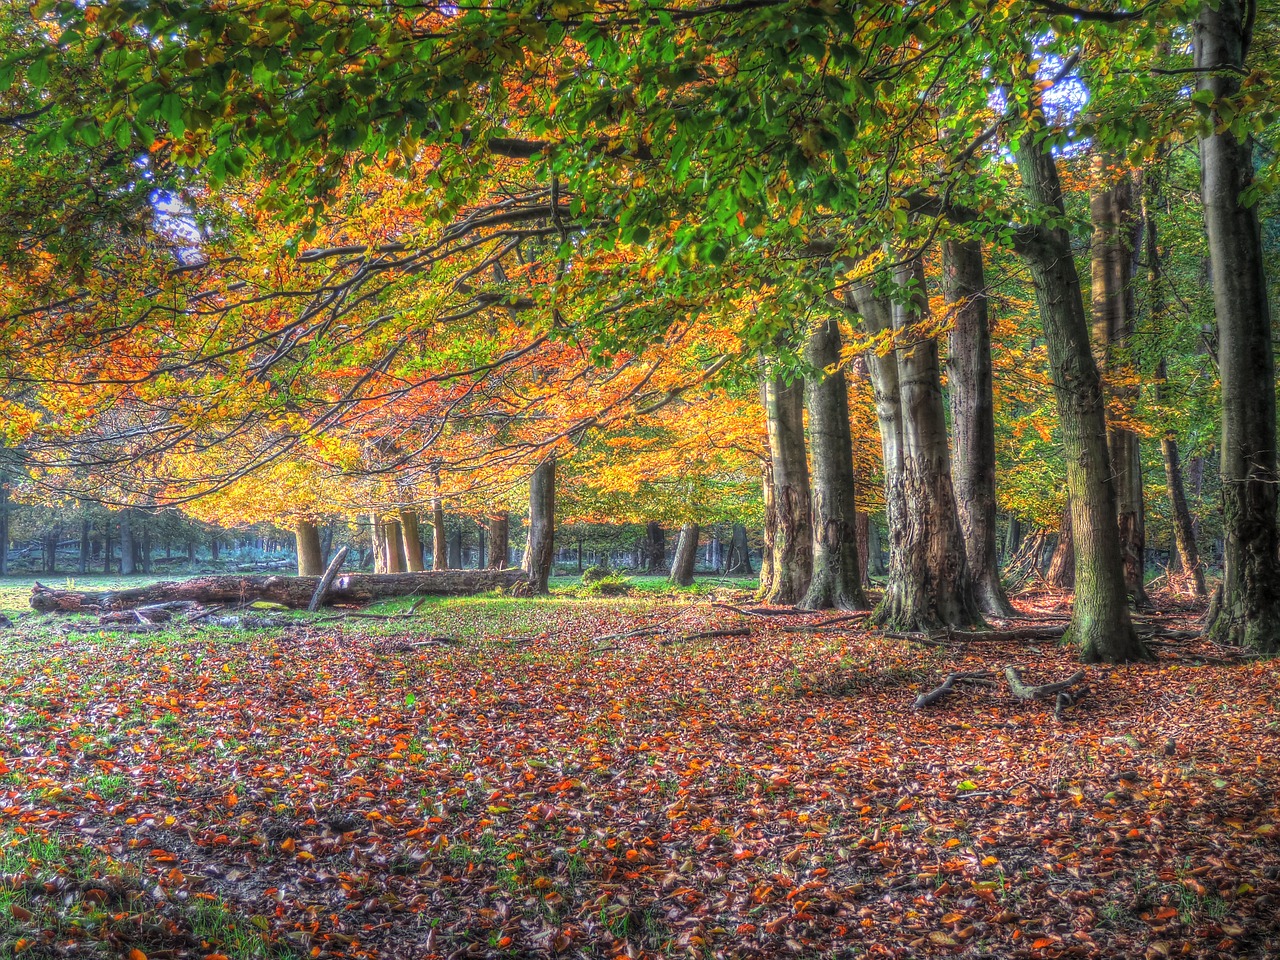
(823, 624)
(706, 635)
(948, 686)
(757, 612)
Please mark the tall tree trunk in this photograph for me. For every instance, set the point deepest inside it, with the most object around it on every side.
(412, 540)
(378, 540)
(455, 547)
(1248, 612)
(875, 553)
(215, 549)
(882, 366)
(481, 562)
(439, 537)
(1100, 625)
(1013, 536)
(930, 586)
(310, 559)
(1115, 239)
(542, 525)
(770, 530)
(973, 420)
(127, 567)
(655, 546)
(862, 523)
(686, 555)
(1062, 564)
(836, 581)
(85, 545)
(738, 564)
(499, 546)
(4, 523)
(793, 533)
(394, 546)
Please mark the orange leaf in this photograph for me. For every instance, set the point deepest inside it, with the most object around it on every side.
(136, 954)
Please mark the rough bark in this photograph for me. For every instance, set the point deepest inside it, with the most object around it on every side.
(542, 519)
(1112, 256)
(1062, 564)
(1100, 626)
(439, 537)
(295, 592)
(793, 532)
(686, 555)
(862, 523)
(499, 545)
(973, 420)
(836, 582)
(412, 539)
(310, 562)
(770, 530)
(1248, 613)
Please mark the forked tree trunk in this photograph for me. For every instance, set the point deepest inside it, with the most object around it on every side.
(738, 564)
(686, 555)
(439, 537)
(310, 561)
(973, 420)
(1114, 241)
(1100, 624)
(1061, 572)
(793, 533)
(837, 580)
(412, 540)
(1248, 612)
(770, 530)
(930, 586)
(498, 540)
(542, 525)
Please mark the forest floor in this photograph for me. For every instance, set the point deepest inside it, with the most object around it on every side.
(494, 777)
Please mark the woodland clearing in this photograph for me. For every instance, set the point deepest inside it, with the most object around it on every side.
(542, 785)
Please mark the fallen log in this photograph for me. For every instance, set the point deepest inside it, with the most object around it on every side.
(293, 592)
(326, 580)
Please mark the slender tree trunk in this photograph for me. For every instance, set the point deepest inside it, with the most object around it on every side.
(1114, 242)
(481, 561)
(498, 543)
(542, 525)
(412, 540)
(394, 546)
(973, 420)
(793, 533)
(739, 563)
(862, 523)
(378, 540)
(310, 559)
(439, 537)
(1013, 536)
(655, 548)
(837, 580)
(1248, 612)
(1062, 564)
(1100, 625)
(875, 553)
(770, 530)
(455, 548)
(127, 567)
(215, 549)
(686, 555)
(4, 523)
(86, 547)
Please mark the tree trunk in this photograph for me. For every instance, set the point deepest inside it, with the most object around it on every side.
(1100, 624)
(875, 553)
(412, 540)
(793, 532)
(1062, 564)
(86, 546)
(738, 563)
(127, 567)
(542, 525)
(973, 420)
(1114, 242)
(480, 556)
(294, 592)
(655, 545)
(862, 523)
(191, 552)
(310, 561)
(1248, 613)
(215, 549)
(882, 366)
(378, 540)
(455, 547)
(4, 524)
(836, 581)
(770, 530)
(686, 555)
(394, 546)
(1013, 536)
(498, 543)
(146, 549)
(439, 537)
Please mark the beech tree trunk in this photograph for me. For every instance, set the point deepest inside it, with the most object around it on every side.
(542, 524)
(1062, 564)
(1248, 612)
(455, 547)
(1115, 239)
(127, 566)
(686, 555)
(655, 548)
(836, 581)
(394, 546)
(931, 586)
(310, 559)
(738, 563)
(439, 537)
(378, 541)
(973, 420)
(862, 523)
(793, 532)
(499, 545)
(770, 531)
(1100, 623)
(412, 540)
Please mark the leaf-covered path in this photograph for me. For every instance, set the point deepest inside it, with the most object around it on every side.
(546, 787)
